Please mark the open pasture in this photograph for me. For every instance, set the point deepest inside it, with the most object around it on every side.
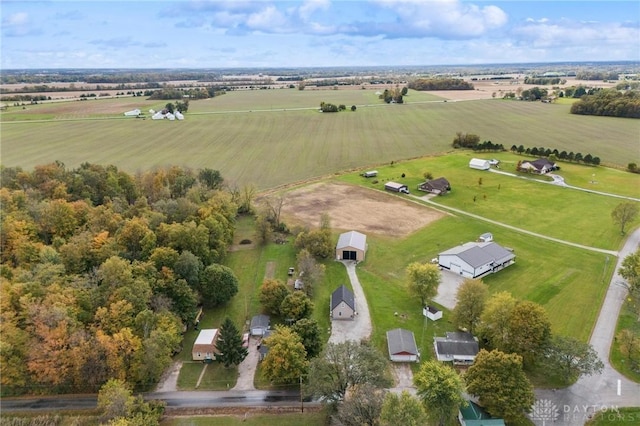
(273, 143)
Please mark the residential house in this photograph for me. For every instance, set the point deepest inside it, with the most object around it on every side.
(474, 415)
(457, 347)
(204, 348)
(343, 304)
(438, 186)
(539, 166)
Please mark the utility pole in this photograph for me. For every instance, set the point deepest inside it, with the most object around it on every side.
(301, 399)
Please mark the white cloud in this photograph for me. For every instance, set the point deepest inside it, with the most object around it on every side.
(310, 6)
(269, 19)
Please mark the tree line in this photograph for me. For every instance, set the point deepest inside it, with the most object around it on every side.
(554, 155)
(103, 270)
(610, 103)
(440, 83)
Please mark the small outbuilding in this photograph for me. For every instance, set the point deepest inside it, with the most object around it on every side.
(402, 346)
(370, 173)
(477, 163)
(204, 348)
(396, 187)
(432, 313)
(343, 304)
(438, 186)
(487, 237)
(351, 245)
(457, 347)
(259, 325)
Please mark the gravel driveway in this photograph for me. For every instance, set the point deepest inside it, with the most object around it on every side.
(360, 327)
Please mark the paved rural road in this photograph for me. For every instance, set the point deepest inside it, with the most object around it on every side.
(360, 328)
(608, 390)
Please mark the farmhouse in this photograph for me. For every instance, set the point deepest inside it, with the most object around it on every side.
(475, 259)
(474, 415)
(438, 186)
(343, 304)
(204, 348)
(458, 347)
(402, 346)
(351, 245)
(396, 187)
(476, 163)
(539, 166)
(432, 313)
(259, 325)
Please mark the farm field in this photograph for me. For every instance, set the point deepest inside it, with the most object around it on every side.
(576, 216)
(259, 137)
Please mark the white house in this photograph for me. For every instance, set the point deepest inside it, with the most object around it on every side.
(477, 163)
(402, 346)
(475, 259)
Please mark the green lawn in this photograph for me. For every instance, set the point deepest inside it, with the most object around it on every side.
(242, 135)
(308, 418)
(576, 216)
(620, 417)
(627, 320)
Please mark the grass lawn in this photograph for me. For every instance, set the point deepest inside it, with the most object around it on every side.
(308, 418)
(189, 374)
(627, 320)
(242, 135)
(547, 209)
(620, 417)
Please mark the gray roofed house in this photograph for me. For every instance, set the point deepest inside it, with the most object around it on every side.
(402, 345)
(475, 259)
(438, 186)
(459, 347)
(343, 303)
(259, 324)
(540, 166)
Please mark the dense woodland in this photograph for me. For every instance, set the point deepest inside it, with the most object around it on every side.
(609, 102)
(102, 270)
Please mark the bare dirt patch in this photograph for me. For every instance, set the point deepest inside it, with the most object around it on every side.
(356, 208)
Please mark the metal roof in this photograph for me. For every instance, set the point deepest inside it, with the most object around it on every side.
(206, 336)
(260, 321)
(400, 340)
(352, 239)
(479, 254)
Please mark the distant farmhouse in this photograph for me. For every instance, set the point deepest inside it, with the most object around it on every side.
(540, 166)
(439, 186)
(475, 259)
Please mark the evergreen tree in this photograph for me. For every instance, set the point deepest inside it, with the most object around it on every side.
(230, 344)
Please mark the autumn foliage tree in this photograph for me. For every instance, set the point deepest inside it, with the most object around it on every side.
(286, 360)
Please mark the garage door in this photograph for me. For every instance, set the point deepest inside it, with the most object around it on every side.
(456, 268)
(349, 255)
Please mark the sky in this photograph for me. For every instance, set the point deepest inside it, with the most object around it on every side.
(313, 33)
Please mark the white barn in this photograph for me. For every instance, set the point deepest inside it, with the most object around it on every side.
(477, 163)
(475, 259)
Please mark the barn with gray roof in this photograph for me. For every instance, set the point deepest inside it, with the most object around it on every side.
(476, 259)
(402, 346)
